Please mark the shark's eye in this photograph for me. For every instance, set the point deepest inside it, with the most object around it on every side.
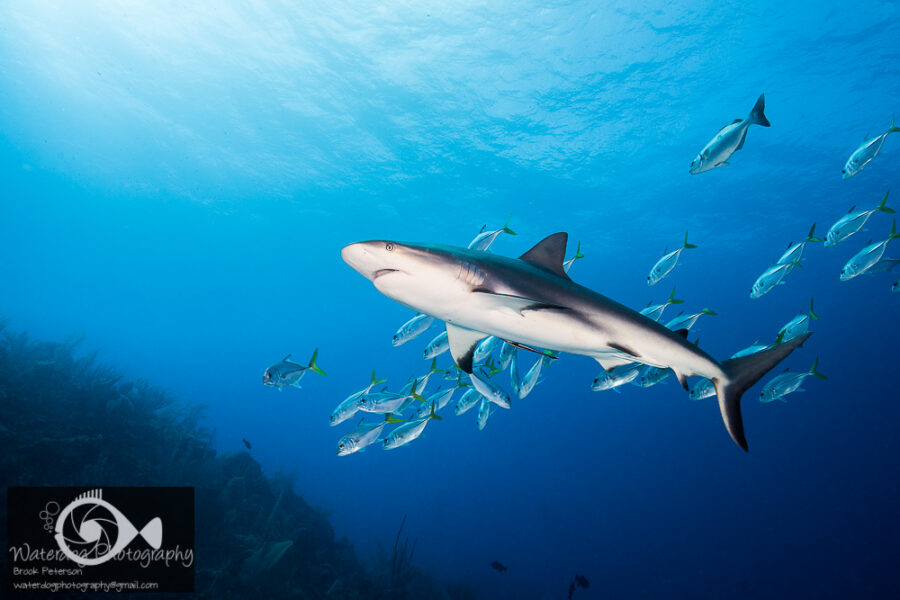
(389, 247)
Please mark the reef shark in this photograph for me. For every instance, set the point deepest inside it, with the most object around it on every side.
(531, 303)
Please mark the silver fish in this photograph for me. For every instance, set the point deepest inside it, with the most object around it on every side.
(568, 264)
(782, 385)
(795, 251)
(350, 406)
(507, 351)
(655, 311)
(771, 277)
(687, 321)
(863, 155)
(853, 221)
(485, 348)
(412, 329)
(866, 258)
(287, 373)
(484, 239)
(703, 389)
(364, 435)
(729, 140)
(484, 411)
(469, 399)
(534, 374)
(408, 432)
(650, 376)
(665, 265)
(610, 380)
(490, 390)
(437, 346)
(797, 326)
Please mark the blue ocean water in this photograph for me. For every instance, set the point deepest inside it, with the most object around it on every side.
(178, 181)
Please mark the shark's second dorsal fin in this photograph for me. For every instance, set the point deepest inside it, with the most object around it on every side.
(549, 253)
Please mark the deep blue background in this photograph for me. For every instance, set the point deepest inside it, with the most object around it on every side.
(177, 183)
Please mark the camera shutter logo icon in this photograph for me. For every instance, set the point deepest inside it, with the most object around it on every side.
(91, 531)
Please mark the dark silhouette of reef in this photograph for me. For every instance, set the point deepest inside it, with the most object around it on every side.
(67, 421)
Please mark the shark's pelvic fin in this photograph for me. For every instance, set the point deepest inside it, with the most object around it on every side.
(549, 253)
(608, 363)
(462, 345)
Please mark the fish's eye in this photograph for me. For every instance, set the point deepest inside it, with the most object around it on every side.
(389, 247)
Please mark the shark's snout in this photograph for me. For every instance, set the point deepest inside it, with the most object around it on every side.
(360, 259)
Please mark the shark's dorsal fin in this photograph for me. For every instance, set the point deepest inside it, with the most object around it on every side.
(462, 345)
(549, 253)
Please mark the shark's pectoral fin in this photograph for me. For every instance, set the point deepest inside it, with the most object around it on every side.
(462, 345)
(519, 304)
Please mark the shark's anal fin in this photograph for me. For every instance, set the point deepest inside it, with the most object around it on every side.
(549, 254)
(462, 345)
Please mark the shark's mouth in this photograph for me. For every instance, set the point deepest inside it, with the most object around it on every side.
(381, 272)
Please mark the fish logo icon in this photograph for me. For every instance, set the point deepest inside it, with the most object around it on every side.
(91, 531)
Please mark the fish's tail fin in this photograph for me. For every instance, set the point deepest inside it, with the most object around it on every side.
(413, 394)
(706, 311)
(312, 364)
(578, 253)
(375, 381)
(811, 237)
(686, 245)
(740, 374)
(882, 206)
(893, 128)
(434, 368)
(673, 299)
(812, 313)
(506, 228)
(814, 370)
(433, 415)
(389, 418)
(893, 235)
(757, 115)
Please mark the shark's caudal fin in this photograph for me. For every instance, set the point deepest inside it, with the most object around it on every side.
(757, 115)
(741, 374)
(882, 206)
(312, 363)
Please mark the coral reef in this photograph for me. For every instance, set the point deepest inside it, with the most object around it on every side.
(67, 421)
